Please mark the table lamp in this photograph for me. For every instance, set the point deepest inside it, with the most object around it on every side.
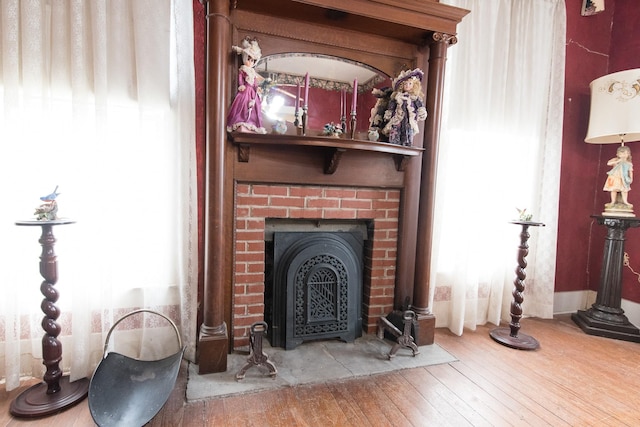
(615, 119)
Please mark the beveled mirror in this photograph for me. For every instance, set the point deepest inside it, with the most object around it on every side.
(330, 94)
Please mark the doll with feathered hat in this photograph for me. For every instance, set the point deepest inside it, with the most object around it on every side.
(245, 113)
(405, 108)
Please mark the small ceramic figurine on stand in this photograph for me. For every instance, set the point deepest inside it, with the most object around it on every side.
(405, 108)
(618, 183)
(48, 210)
(245, 113)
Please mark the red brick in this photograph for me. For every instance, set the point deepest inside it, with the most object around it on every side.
(257, 309)
(249, 299)
(255, 288)
(305, 213)
(250, 257)
(251, 200)
(270, 189)
(246, 321)
(338, 214)
(255, 246)
(371, 194)
(269, 212)
(242, 188)
(255, 267)
(340, 193)
(355, 204)
(383, 263)
(250, 278)
(323, 203)
(294, 202)
(386, 204)
(370, 214)
(305, 191)
(250, 235)
(392, 213)
(242, 212)
(255, 224)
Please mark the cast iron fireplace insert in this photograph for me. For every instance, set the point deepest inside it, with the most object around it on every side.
(316, 287)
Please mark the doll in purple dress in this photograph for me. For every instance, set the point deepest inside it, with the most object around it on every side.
(405, 108)
(245, 113)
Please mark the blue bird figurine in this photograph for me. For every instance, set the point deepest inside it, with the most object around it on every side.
(50, 197)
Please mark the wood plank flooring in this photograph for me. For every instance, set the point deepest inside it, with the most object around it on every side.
(573, 380)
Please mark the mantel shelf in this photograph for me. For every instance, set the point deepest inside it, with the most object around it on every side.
(334, 147)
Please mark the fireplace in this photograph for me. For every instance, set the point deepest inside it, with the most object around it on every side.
(363, 221)
(254, 177)
(315, 287)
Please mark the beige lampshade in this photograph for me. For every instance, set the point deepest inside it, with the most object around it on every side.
(615, 108)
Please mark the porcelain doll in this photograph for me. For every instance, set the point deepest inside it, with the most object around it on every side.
(405, 108)
(245, 113)
(620, 177)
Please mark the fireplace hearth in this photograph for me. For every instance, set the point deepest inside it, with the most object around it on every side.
(316, 287)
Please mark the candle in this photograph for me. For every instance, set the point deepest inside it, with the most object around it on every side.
(306, 90)
(344, 103)
(341, 102)
(355, 96)
(297, 99)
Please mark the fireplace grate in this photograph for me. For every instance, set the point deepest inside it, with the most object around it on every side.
(317, 287)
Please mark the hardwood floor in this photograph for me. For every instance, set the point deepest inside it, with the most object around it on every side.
(573, 380)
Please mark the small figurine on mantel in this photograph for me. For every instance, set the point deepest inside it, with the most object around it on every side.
(618, 183)
(245, 113)
(376, 120)
(405, 109)
(48, 210)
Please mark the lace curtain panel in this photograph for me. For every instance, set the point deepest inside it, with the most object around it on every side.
(97, 98)
(501, 148)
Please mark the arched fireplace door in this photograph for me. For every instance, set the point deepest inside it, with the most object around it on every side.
(317, 287)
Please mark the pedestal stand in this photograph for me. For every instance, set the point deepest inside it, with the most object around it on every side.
(510, 336)
(605, 318)
(56, 392)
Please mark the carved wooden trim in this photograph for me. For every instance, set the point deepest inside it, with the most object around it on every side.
(445, 38)
(332, 160)
(244, 151)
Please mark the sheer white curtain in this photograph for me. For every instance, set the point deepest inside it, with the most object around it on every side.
(97, 97)
(501, 148)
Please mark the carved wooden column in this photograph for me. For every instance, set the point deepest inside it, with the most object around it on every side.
(213, 341)
(606, 317)
(435, 89)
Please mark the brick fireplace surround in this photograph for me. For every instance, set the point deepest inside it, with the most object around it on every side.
(255, 203)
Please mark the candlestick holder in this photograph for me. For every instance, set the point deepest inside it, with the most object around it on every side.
(353, 124)
(343, 123)
(304, 120)
(296, 118)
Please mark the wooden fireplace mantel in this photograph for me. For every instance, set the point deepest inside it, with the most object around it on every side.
(333, 147)
(388, 35)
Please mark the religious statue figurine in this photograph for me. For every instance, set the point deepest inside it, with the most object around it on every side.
(405, 109)
(618, 183)
(245, 113)
(48, 210)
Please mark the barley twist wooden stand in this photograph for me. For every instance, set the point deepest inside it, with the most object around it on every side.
(510, 336)
(56, 392)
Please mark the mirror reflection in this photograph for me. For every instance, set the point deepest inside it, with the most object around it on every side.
(330, 95)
